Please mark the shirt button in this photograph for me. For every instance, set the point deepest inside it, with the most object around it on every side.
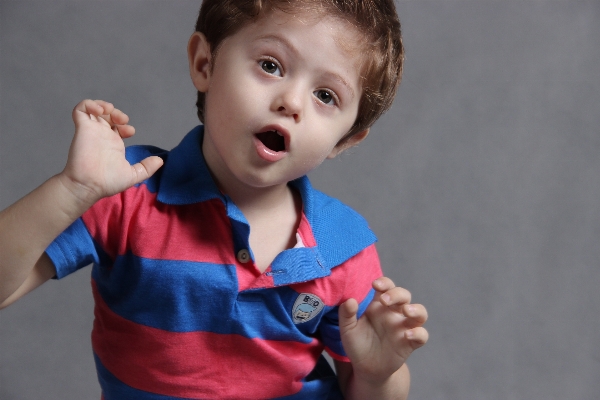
(243, 256)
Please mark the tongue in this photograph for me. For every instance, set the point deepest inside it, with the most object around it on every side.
(272, 140)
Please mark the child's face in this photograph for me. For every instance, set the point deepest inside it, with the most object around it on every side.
(280, 95)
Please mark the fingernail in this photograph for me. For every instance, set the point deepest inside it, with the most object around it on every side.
(386, 298)
(410, 334)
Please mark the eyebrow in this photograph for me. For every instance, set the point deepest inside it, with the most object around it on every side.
(293, 49)
(338, 78)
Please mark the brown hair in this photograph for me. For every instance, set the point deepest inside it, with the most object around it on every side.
(376, 19)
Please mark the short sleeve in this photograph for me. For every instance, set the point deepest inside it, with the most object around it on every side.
(72, 250)
(359, 272)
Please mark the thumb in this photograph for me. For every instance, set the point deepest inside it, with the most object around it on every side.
(347, 315)
(145, 169)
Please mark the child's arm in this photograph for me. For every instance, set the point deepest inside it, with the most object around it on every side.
(96, 168)
(379, 343)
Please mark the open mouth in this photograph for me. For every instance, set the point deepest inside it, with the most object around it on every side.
(273, 140)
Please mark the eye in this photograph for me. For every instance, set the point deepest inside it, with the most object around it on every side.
(270, 67)
(325, 96)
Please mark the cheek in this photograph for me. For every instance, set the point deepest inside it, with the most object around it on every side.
(317, 151)
(226, 105)
(239, 100)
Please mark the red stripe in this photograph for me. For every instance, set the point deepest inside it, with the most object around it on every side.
(249, 277)
(134, 221)
(336, 356)
(198, 364)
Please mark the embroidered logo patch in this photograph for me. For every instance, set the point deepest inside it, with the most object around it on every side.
(306, 307)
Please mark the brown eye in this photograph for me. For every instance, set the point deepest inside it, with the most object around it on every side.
(270, 67)
(324, 96)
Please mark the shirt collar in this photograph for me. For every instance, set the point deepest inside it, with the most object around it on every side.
(185, 176)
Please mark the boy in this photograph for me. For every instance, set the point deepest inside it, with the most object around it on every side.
(223, 274)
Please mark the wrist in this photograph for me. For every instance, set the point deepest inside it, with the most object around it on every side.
(394, 386)
(75, 198)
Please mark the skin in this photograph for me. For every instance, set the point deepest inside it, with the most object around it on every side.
(270, 74)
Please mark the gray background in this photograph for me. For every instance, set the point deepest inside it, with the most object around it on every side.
(482, 182)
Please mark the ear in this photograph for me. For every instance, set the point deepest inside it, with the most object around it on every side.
(199, 57)
(352, 141)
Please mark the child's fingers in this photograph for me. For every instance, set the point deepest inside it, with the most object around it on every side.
(107, 108)
(100, 108)
(94, 110)
(85, 108)
(417, 337)
(383, 284)
(416, 315)
(118, 117)
(395, 297)
(103, 111)
(125, 131)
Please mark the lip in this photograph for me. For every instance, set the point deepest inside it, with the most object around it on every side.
(266, 153)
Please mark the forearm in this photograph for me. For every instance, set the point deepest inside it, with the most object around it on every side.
(396, 387)
(28, 226)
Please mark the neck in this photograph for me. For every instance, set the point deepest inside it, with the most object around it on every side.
(258, 200)
(246, 197)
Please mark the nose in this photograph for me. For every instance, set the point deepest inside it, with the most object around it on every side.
(289, 102)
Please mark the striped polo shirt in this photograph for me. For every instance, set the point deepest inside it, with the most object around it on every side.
(181, 312)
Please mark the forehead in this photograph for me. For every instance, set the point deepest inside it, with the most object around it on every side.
(313, 24)
(340, 26)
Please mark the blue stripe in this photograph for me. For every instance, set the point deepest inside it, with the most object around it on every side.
(180, 296)
(73, 249)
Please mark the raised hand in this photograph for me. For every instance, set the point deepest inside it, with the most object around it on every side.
(391, 328)
(96, 166)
